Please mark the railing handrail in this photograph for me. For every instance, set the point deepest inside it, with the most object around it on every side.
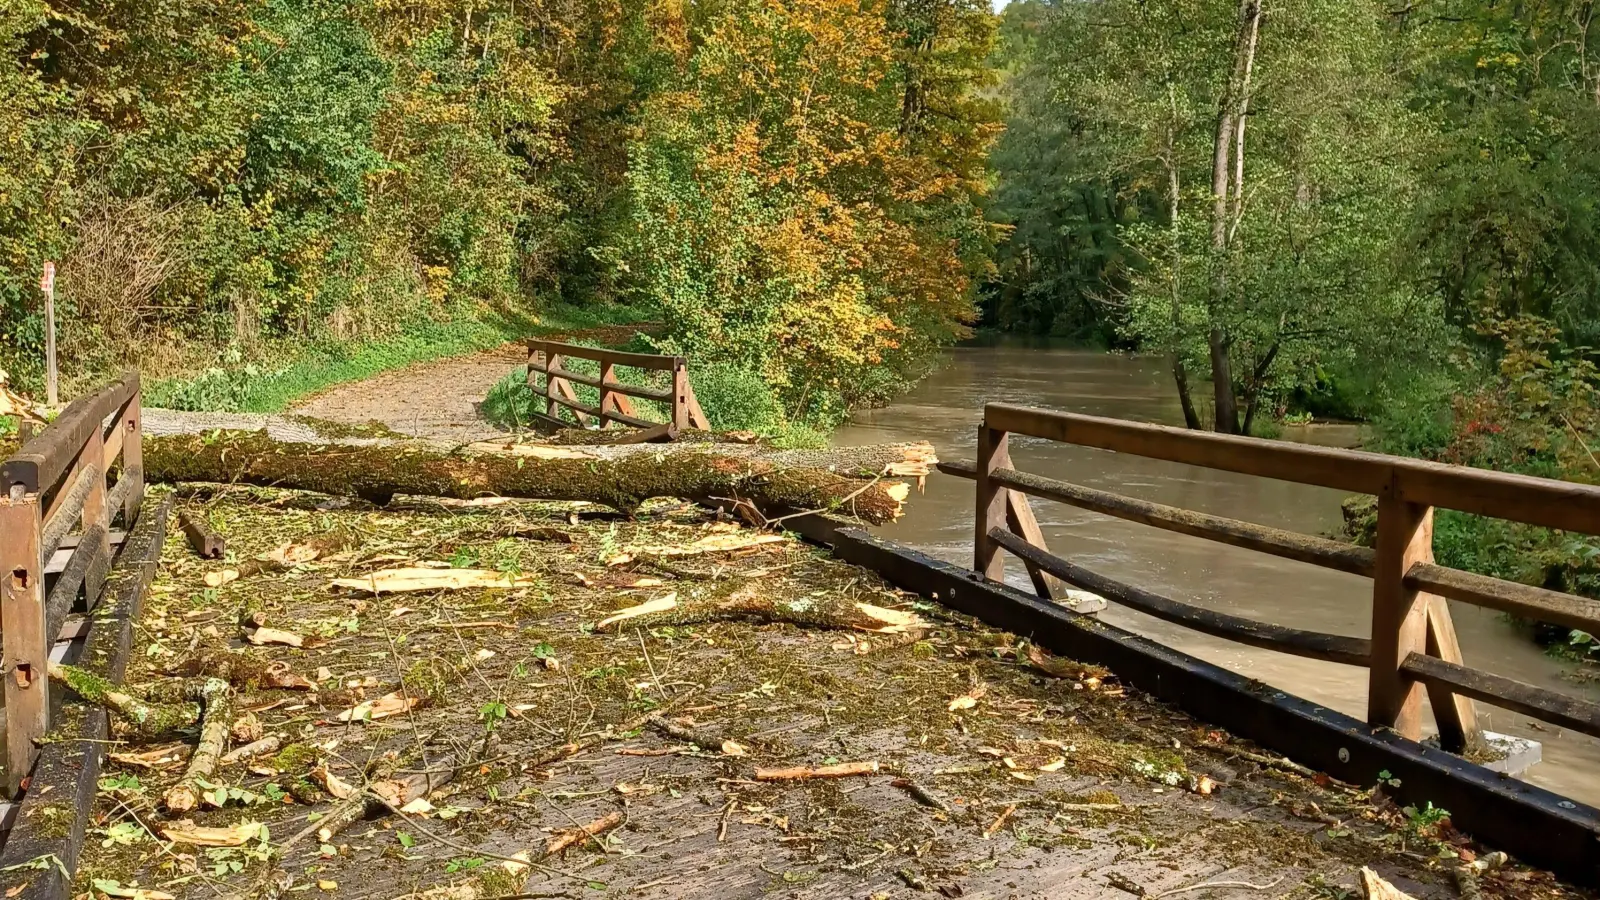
(1566, 505)
(1412, 644)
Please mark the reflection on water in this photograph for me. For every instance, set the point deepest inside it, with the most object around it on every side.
(946, 408)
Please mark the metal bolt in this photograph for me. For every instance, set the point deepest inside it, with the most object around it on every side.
(1567, 804)
(1344, 755)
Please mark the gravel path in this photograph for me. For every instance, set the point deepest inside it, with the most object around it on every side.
(439, 398)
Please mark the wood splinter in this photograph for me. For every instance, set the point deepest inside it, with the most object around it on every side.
(799, 773)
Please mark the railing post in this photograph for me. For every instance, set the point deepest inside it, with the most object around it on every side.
(993, 453)
(24, 646)
(1399, 613)
(680, 394)
(133, 458)
(552, 362)
(608, 401)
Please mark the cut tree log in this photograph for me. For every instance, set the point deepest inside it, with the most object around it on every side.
(754, 600)
(849, 481)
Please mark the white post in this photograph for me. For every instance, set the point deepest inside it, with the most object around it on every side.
(47, 283)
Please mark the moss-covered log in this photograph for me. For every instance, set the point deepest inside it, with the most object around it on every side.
(377, 472)
(151, 720)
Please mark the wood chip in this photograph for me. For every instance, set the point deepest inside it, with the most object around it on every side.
(391, 581)
(999, 821)
(841, 770)
(659, 604)
(263, 635)
(388, 705)
(185, 831)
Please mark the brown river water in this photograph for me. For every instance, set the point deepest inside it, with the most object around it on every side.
(946, 408)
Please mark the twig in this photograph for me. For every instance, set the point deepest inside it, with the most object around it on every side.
(648, 662)
(1242, 885)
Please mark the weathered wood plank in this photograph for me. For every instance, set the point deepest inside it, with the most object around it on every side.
(1405, 538)
(43, 460)
(993, 453)
(1455, 713)
(1522, 600)
(1351, 651)
(1507, 693)
(52, 817)
(24, 644)
(1234, 532)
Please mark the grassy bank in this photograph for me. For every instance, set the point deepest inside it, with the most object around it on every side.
(304, 369)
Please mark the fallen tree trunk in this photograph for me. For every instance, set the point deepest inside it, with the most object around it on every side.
(377, 470)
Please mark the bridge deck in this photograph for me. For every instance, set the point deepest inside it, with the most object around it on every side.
(1082, 765)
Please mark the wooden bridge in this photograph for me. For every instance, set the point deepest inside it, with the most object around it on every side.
(1411, 649)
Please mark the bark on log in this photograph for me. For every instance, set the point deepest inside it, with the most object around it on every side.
(377, 470)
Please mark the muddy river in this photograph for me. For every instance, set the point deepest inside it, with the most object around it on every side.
(946, 408)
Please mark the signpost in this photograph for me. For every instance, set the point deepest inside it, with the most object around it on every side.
(47, 284)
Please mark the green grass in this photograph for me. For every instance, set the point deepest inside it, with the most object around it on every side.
(307, 369)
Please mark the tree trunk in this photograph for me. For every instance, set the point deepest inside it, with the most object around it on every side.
(1227, 177)
(1180, 372)
(619, 477)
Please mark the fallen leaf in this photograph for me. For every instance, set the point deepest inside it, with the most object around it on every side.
(185, 831)
(969, 699)
(389, 581)
(221, 577)
(659, 604)
(381, 708)
(417, 807)
(482, 654)
(263, 635)
(327, 885)
(734, 748)
(521, 865)
(1050, 665)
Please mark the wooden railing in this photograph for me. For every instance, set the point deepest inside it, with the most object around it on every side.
(545, 359)
(1412, 645)
(57, 510)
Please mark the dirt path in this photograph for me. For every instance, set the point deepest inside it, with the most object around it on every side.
(439, 398)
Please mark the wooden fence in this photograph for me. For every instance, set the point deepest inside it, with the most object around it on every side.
(545, 359)
(57, 512)
(1412, 645)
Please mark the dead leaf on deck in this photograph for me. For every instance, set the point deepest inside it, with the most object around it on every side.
(969, 699)
(185, 831)
(659, 604)
(263, 635)
(221, 577)
(1050, 665)
(390, 581)
(381, 708)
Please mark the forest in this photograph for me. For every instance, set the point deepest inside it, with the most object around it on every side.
(1361, 209)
